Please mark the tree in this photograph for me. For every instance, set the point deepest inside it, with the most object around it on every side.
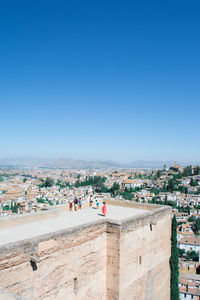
(192, 255)
(193, 183)
(173, 169)
(164, 187)
(115, 188)
(177, 176)
(6, 207)
(183, 189)
(196, 227)
(196, 170)
(158, 174)
(181, 252)
(191, 219)
(15, 208)
(58, 182)
(155, 190)
(174, 262)
(187, 171)
(48, 182)
(171, 185)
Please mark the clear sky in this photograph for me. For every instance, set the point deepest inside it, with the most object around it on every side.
(115, 80)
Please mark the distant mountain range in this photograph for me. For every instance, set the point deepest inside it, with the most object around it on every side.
(67, 163)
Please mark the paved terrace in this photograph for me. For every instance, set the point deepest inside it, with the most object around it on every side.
(66, 220)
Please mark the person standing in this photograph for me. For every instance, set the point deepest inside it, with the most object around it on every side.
(70, 205)
(91, 201)
(97, 204)
(104, 209)
(80, 203)
(75, 204)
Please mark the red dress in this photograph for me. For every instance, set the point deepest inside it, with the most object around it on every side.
(104, 209)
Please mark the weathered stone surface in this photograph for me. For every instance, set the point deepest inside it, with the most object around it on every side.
(144, 259)
(103, 260)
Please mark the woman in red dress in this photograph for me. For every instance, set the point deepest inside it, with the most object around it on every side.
(104, 209)
(70, 205)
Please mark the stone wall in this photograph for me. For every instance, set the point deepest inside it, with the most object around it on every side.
(132, 204)
(103, 260)
(138, 252)
(144, 258)
(60, 259)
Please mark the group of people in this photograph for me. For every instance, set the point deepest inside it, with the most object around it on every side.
(104, 207)
(91, 203)
(77, 204)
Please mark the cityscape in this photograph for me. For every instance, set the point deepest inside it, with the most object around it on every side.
(28, 191)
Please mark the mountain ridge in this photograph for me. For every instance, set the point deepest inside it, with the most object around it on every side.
(70, 163)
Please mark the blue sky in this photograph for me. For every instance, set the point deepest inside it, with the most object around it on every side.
(115, 80)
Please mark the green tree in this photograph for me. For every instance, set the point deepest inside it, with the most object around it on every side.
(115, 188)
(15, 208)
(58, 182)
(174, 262)
(155, 190)
(158, 174)
(191, 219)
(196, 170)
(164, 189)
(193, 183)
(187, 171)
(183, 189)
(171, 185)
(196, 227)
(181, 252)
(177, 176)
(173, 169)
(192, 255)
(6, 207)
(48, 182)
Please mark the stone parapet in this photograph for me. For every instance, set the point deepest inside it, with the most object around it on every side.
(14, 220)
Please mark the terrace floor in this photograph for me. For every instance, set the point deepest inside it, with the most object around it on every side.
(63, 221)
